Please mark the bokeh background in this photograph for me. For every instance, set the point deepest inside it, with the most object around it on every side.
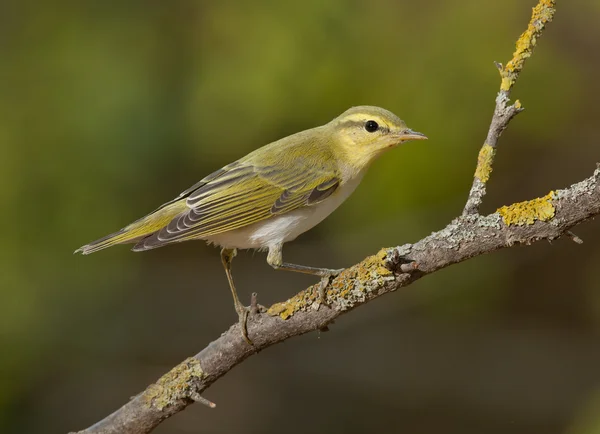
(108, 109)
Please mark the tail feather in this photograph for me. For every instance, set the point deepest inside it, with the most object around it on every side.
(138, 230)
(119, 237)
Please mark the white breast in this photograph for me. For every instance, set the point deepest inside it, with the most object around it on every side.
(285, 227)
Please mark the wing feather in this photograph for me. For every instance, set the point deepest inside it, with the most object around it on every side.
(253, 189)
(242, 194)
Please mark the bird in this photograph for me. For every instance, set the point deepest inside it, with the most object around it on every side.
(272, 195)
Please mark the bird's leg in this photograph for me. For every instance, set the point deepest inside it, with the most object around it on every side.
(227, 256)
(275, 260)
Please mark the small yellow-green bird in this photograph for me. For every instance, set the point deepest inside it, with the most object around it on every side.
(271, 195)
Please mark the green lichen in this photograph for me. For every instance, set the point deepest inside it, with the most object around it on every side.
(489, 221)
(542, 14)
(174, 385)
(526, 213)
(354, 285)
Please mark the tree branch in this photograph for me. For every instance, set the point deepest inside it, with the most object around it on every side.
(469, 235)
(504, 112)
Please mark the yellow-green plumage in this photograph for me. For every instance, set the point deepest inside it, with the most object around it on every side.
(249, 190)
(296, 172)
(139, 229)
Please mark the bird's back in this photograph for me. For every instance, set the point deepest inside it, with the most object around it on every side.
(283, 176)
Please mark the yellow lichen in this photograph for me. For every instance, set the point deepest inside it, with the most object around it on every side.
(285, 309)
(350, 287)
(542, 14)
(526, 213)
(174, 385)
(484, 163)
(301, 301)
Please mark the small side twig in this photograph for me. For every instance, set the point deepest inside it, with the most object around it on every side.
(409, 267)
(254, 303)
(504, 111)
(574, 237)
(196, 397)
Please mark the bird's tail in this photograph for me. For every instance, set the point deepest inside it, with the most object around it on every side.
(139, 229)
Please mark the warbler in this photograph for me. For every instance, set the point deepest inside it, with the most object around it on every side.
(271, 195)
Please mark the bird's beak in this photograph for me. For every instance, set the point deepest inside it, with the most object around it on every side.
(411, 135)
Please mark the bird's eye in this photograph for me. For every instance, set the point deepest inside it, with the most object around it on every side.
(371, 126)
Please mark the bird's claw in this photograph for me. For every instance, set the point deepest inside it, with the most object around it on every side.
(243, 312)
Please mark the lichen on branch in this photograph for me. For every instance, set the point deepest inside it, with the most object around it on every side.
(355, 285)
(528, 212)
(484, 162)
(542, 14)
(175, 385)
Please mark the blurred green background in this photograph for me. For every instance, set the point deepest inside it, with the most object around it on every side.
(108, 109)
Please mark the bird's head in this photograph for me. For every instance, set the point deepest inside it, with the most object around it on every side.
(363, 133)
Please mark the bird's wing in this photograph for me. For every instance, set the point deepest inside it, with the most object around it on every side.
(241, 194)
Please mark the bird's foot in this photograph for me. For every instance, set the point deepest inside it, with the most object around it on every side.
(243, 312)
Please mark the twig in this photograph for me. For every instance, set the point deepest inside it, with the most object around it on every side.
(254, 303)
(409, 267)
(504, 112)
(201, 400)
(574, 237)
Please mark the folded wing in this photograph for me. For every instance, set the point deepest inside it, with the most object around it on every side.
(241, 194)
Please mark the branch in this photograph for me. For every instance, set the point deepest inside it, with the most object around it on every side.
(504, 112)
(523, 223)
(470, 235)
